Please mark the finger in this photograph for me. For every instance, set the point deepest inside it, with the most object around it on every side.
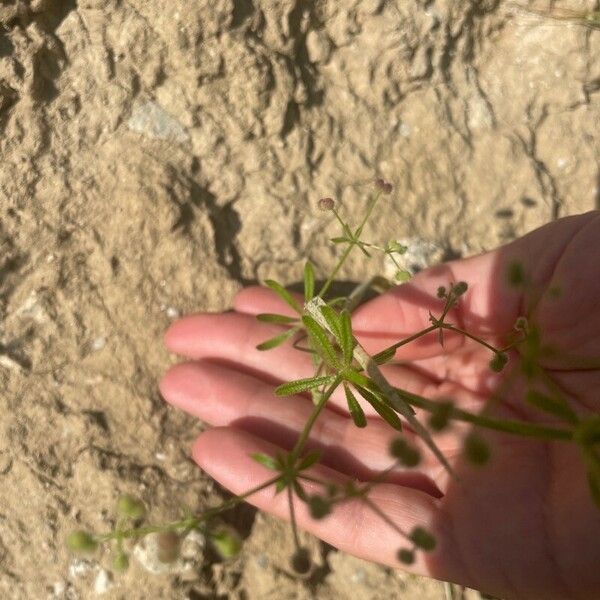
(233, 337)
(225, 454)
(257, 299)
(222, 396)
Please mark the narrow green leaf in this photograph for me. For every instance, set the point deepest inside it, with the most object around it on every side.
(280, 486)
(346, 338)
(309, 460)
(299, 490)
(356, 378)
(279, 319)
(320, 341)
(385, 355)
(266, 461)
(277, 340)
(302, 385)
(555, 406)
(385, 411)
(339, 240)
(333, 320)
(309, 282)
(284, 294)
(356, 411)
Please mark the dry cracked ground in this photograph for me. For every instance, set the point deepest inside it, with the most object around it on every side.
(157, 156)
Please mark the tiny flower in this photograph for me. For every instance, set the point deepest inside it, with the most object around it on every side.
(383, 186)
(326, 204)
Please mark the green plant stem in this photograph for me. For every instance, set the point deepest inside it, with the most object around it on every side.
(506, 426)
(409, 339)
(188, 522)
(293, 517)
(347, 251)
(330, 279)
(295, 453)
(476, 338)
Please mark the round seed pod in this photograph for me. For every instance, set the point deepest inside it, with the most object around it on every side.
(301, 562)
(82, 541)
(120, 562)
(406, 556)
(226, 541)
(131, 507)
(169, 544)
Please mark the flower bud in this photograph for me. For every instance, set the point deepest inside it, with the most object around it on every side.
(82, 541)
(460, 288)
(383, 186)
(441, 292)
(326, 204)
(521, 324)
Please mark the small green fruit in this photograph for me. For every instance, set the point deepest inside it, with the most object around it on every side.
(82, 541)
(227, 541)
(121, 562)
(406, 556)
(319, 507)
(408, 455)
(131, 507)
(460, 288)
(301, 562)
(440, 417)
(499, 361)
(422, 539)
(168, 546)
(476, 450)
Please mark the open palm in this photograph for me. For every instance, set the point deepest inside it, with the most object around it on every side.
(524, 526)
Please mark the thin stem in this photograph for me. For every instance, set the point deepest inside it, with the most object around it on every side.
(293, 517)
(311, 420)
(409, 339)
(188, 522)
(346, 253)
(383, 516)
(469, 335)
(330, 279)
(506, 426)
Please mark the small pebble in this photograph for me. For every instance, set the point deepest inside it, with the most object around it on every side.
(98, 344)
(172, 312)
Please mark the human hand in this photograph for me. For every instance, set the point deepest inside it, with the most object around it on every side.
(522, 527)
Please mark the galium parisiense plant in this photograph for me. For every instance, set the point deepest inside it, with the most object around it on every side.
(322, 326)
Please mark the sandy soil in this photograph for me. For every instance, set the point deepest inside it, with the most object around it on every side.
(156, 156)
